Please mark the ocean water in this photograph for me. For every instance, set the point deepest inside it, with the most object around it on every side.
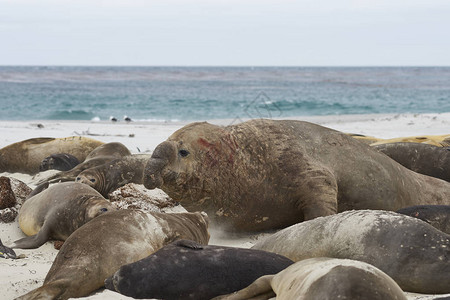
(204, 93)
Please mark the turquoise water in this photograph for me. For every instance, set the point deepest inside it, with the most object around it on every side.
(200, 93)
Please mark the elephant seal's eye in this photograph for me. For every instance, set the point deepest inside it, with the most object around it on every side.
(103, 209)
(92, 180)
(183, 153)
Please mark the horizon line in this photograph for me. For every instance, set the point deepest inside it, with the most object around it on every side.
(228, 66)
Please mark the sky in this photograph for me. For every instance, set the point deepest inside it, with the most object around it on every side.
(225, 33)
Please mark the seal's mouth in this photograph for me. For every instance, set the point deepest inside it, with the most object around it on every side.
(153, 181)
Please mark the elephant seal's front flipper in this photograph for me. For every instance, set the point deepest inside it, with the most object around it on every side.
(320, 201)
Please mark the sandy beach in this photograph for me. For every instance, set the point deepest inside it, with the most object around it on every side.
(23, 275)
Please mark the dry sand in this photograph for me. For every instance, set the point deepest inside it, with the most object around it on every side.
(23, 275)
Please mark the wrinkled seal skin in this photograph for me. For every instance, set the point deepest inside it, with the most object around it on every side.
(412, 252)
(100, 155)
(112, 175)
(100, 247)
(59, 161)
(323, 278)
(186, 270)
(267, 174)
(57, 212)
(421, 158)
(26, 156)
(437, 216)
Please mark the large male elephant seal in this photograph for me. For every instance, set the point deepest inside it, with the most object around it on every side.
(187, 270)
(266, 174)
(421, 158)
(26, 156)
(100, 247)
(437, 216)
(100, 155)
(110, 176)
(323, 278)
(57, 212)
(412, 252)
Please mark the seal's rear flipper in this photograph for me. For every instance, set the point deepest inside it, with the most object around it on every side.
(7, 252)
(47, 291)
(258, 290)
(34, 241)
(188, 244)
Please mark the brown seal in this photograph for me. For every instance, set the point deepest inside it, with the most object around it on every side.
(410, 251)
(323, 278)
(110, 176)
(421, 158)
(26, 156)
(100, 155)
(58, 211)
(99, 248)
(268, 174)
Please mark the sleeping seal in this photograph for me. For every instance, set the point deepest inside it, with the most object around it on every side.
(410, 251)
(437, 216)
(325, 279)
(26, 156)
(100, 247)
(98, 156)
(57, 212)
(187, 270)
(421, 158)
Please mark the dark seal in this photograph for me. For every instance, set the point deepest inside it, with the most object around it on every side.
(59, 161)
(437, 216)
(187, 270)
(410, 251)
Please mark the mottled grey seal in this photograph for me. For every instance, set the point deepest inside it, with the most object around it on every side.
(26, 156)
(325, 279)
(410, 251)
(421, 158)
(268, 174)
(110, 176)
(100, 155)
(187, 270)
(59, 161)
(437, 216)
(57, 212)
(100, 247)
